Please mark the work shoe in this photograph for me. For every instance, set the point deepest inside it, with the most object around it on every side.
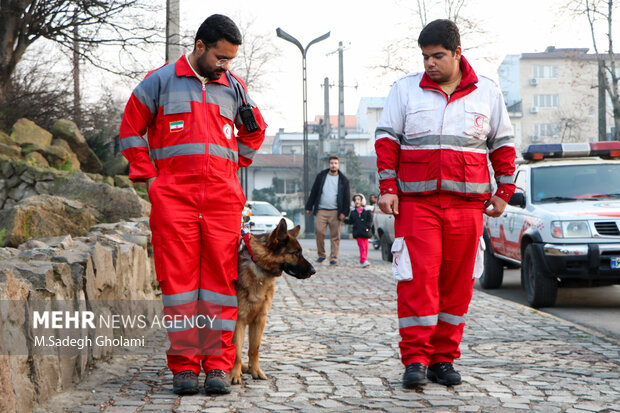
(333, 262)
(217, 382)
(185, 382)
(365, 264)
(320, 259)
(414, 375)
(443, 373)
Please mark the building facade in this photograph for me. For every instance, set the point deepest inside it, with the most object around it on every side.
(552, 97)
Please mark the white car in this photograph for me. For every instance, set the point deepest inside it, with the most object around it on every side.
(562, 225)
(264, 217)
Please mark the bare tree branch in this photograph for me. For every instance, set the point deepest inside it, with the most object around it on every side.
(127, 24)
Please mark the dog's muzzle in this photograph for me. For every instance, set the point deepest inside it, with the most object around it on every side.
(299, 271)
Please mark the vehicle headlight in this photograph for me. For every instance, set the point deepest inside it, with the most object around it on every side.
(570, 229)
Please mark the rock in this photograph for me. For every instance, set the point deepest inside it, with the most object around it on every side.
(26, 131)
(36, 159)
(122, 181)
(72, 158)
(6, 168)
(33, 243)
(63, 242)
(113, 203)
(68, 131)
(24, 190)
(6, 139)
(12, 151)
(45, 216)
(119, 165)
(3, 193)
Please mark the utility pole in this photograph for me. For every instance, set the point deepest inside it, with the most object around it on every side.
(602, 109)
(304, 51)
(341, 131)
(173, 38)
(324, 134)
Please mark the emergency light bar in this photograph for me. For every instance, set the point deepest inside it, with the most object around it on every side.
(570, 150)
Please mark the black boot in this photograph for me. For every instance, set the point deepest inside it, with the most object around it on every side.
(217, 382)
(443, 373)
(185, 382)
(414, 375)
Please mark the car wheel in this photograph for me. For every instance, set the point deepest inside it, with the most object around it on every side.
(540, 288)
(493, 274)
(386, 248)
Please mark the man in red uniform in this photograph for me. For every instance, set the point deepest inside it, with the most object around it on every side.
(432, 141)
(189, 109)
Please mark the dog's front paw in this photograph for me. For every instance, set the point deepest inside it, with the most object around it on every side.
(235, 375)
(235, 378)
(257, 374)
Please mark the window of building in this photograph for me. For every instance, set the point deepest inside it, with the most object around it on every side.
(285, 186)
(546, 101)
(546, 129)
(545, 72)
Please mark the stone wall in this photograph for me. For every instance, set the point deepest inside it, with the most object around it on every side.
(112, 262)
(39, 201)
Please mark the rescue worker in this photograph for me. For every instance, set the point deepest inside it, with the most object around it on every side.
(432, 142)
(329, 202)
(189, 108)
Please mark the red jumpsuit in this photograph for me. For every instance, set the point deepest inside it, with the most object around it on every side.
(432, 152)
(196, 202)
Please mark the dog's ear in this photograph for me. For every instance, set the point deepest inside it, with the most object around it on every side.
(295, 231)
(278, 234)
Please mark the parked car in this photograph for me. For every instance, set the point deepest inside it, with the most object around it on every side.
(562, 225)
(384, 232)
(264, 217)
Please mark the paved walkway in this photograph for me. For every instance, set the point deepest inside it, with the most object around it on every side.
(331, 344)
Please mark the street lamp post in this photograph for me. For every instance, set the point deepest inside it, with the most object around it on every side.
(284, 35)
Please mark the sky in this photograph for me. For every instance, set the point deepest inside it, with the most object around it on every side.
(365, 28)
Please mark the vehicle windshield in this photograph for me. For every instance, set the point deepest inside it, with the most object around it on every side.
(264, 210)
(571, 182)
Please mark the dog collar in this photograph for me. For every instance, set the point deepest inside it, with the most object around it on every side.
(246, 241)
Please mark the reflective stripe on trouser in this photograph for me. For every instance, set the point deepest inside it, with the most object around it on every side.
(196, 264)
(442, 244)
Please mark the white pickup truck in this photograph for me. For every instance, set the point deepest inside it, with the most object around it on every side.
(562, 225)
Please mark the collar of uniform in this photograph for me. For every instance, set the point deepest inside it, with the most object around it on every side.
(184, 69)
(468, 77)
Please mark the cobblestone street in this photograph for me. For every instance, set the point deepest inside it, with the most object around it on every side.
(331, 344)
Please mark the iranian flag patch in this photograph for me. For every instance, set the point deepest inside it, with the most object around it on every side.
(176, 126)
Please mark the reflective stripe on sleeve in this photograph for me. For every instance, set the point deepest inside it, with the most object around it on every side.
(500, 142)
(246, 151)
(505, 179)
(389, 133)
(386, 174)
(132, 142)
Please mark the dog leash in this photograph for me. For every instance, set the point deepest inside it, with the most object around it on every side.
(245, 235)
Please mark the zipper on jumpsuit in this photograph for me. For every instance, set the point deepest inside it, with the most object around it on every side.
(203, 184)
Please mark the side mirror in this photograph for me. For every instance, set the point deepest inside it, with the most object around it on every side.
(517, 199)
(283, 213)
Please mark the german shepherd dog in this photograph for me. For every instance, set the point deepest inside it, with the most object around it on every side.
(258, 268)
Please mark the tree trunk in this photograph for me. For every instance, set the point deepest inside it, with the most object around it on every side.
(12, 44)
